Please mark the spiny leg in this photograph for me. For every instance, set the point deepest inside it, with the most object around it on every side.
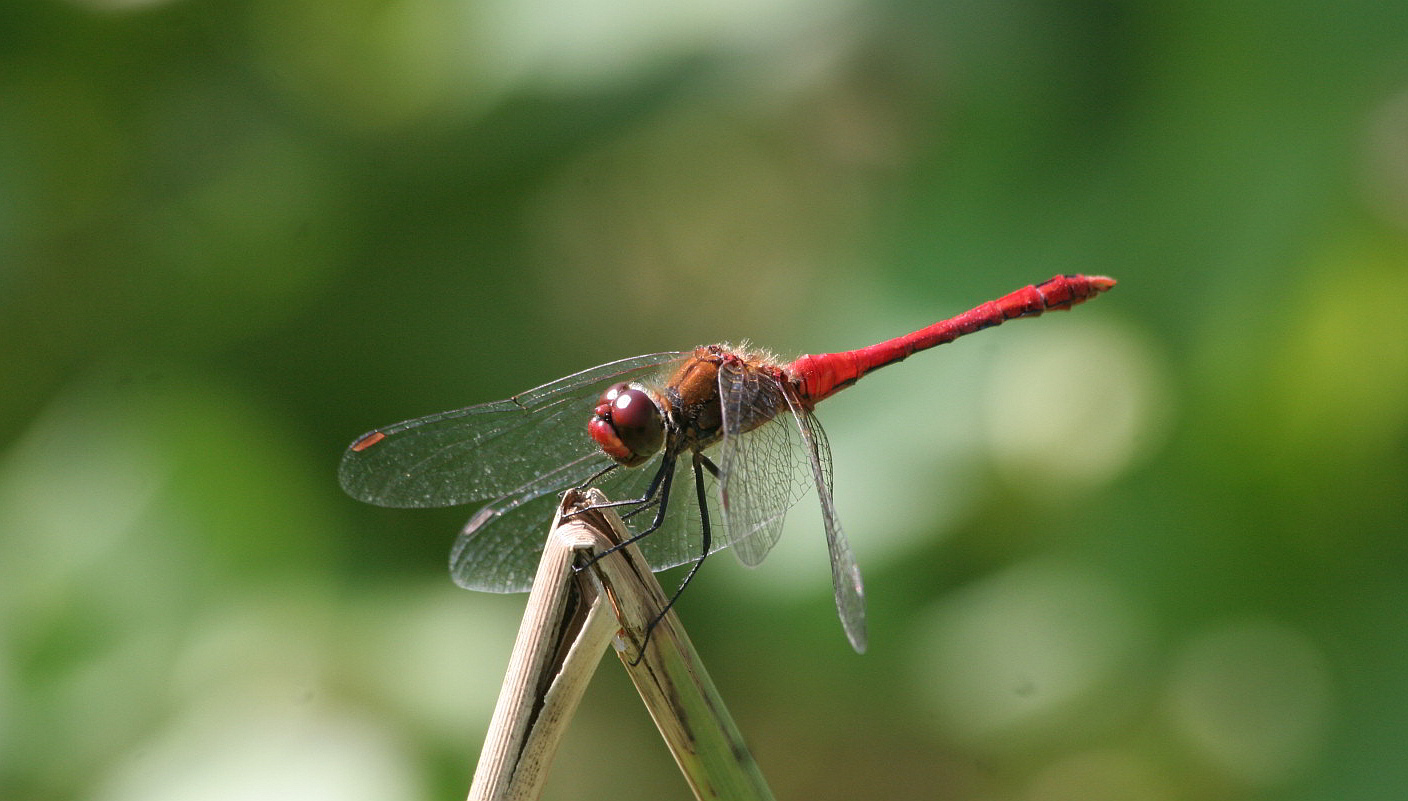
(705, 537)
(592, 479)
(645, 507)
(642, 503)
(661, 483)
(708, 464)
(645, 501)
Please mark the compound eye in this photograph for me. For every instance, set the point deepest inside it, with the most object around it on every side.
(612, 393)
(636, 419)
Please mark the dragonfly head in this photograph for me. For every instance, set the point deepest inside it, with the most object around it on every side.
(628, 424)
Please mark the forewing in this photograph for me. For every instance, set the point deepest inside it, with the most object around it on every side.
(537, 439)
(845, 573)
(760, 461)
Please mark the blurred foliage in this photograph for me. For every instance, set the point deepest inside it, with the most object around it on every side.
(1153, 549)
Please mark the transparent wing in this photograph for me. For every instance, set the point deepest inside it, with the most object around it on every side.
(761, 458)
(845, 573)
(533, 443)
(498, 551)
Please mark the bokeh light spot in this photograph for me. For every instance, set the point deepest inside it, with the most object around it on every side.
(1019, 650)
(1069, 408)
(1252, 697)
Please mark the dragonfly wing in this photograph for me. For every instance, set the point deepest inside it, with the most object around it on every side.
(845, 573)
(759, 462)
(499, 549)
(486, 451)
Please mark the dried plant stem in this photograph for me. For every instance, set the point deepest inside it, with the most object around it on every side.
(570, 618)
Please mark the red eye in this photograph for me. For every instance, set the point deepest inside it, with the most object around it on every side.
(633, 414)
(628, 425)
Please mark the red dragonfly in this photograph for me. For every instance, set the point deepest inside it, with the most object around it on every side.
(737, 419)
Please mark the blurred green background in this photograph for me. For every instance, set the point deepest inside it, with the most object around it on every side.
(1151, 549)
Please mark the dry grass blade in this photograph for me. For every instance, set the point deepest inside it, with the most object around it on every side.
(570, 618)
(560, 643)
(669, 675)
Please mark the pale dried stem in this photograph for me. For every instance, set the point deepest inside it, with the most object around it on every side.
(565, 628)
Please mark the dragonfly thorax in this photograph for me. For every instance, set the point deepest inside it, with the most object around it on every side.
(628, 423)
(695, 401)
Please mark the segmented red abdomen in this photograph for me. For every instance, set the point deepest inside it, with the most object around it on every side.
(823, 375)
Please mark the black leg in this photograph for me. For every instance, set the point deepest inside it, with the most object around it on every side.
(667, 468)
(661, 482)
(643, 507)
(598, 474)
(709, 465)
(706, 537)
(662, 475)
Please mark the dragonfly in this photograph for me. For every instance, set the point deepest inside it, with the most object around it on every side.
(708, 447)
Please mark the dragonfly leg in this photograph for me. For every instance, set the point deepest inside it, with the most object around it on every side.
(664, 474)
(657, 493)
(651, 504)
(700, 460)
(704, 460)
(592, 479)
(708, 465)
